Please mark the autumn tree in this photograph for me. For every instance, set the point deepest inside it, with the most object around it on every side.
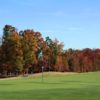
(12, 56)
(29, 47)
(21, 52)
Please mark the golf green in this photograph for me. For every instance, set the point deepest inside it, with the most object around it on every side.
(79, 86)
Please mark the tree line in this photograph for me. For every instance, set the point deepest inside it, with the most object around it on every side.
(26, 51)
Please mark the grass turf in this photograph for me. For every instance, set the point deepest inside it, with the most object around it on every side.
(85, 86)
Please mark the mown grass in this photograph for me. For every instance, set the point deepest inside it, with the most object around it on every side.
(85, 86)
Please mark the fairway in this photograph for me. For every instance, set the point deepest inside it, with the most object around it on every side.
(84, 86)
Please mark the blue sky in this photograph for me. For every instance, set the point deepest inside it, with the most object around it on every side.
(76, 23)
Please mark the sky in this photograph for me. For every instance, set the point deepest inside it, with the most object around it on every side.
(76, 23)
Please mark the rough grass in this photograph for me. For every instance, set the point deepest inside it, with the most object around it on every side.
(55, 86)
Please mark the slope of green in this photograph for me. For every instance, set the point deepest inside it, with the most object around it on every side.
(85, 86)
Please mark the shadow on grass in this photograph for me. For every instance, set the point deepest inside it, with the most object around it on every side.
(6, 84)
